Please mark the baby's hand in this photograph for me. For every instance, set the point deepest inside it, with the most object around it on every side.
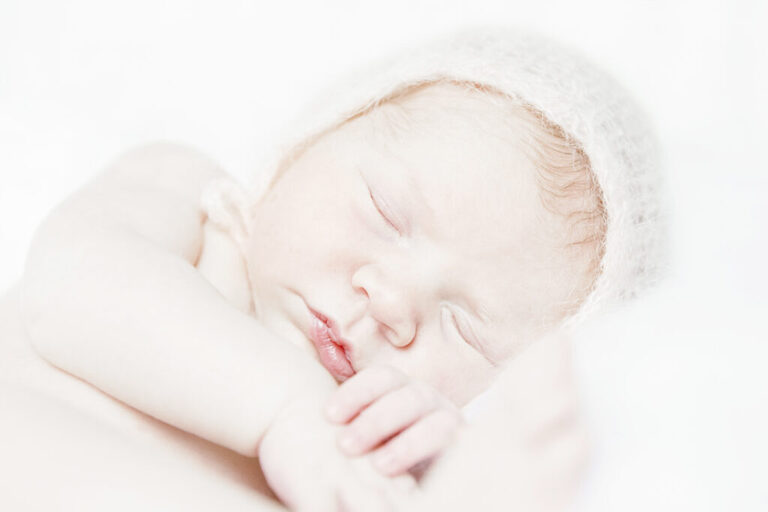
(305, 469)
(406, 422)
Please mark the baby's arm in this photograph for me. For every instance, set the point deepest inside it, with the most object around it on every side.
(111, 295)
(528, 439)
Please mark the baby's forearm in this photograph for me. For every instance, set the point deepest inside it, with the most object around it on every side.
(146, 328)
(115, 300)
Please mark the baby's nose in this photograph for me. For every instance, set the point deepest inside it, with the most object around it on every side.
(396, 303)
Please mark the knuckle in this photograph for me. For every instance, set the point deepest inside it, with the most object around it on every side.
(392, 375)
(400, 448)
(372, 371)
(423, 394)
(383, 370)
(454, 416)
(377, 378)
(365, 389)
(446, 421)
(363, 427)
(413, 397)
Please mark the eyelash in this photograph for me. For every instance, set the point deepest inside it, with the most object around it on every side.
(455, 322)
(378, 209)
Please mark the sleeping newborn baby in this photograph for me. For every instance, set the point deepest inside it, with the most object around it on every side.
(436, 234)
(415, 234)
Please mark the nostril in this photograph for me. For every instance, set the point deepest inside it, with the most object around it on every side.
(413, 337)
(396, 338)
(388, 333)
(359, 280)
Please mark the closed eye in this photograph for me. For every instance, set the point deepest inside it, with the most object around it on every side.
(449, 317)
(466, 333)
(381, 212)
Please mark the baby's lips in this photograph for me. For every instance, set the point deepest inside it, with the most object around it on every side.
(331, 355)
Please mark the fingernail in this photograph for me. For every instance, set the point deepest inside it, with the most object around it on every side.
(384, 461)
(349, 442)
(332, 412)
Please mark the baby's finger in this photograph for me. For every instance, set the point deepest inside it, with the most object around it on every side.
(360, 390)
(387, 416)
(423, 440)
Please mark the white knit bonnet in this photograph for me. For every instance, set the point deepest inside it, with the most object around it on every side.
(588, 105)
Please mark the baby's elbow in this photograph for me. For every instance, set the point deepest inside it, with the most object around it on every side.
(37, 321)
(38, 308)
(49, 332)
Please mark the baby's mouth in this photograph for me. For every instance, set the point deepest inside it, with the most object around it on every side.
(329, 348)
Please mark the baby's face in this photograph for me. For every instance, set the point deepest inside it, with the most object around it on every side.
(429, 249)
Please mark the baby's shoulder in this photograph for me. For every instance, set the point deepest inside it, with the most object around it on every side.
(176, 168)
(222, 264)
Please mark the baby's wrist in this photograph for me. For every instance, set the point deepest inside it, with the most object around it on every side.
(303, 404)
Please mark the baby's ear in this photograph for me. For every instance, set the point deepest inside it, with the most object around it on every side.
(226, 204)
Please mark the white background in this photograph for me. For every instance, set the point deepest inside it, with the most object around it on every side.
(81, 81)
(678, 401)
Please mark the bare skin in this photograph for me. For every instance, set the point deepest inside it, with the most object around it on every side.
(54, 422)
(218, 285)
(38, 394)
(196, 361)
(58, 422)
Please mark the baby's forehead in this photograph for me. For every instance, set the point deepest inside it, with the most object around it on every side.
(447, 153)
(447, 145)
(447, 111)
(498, 178)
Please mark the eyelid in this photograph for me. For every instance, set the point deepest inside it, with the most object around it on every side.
(456, 324)
(378, 208)
(466, 328)
(468, 335)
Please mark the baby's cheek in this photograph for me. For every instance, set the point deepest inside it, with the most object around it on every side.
(460, 376)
